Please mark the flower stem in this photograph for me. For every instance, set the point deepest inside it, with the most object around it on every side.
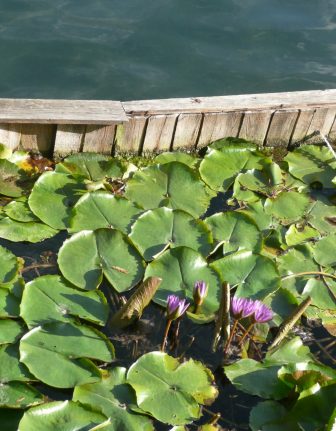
(164, 341)
(245, 334)
(227, 345)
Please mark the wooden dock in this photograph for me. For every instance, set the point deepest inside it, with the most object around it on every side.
(61, 127)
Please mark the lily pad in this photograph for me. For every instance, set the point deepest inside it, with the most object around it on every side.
(155, 230)
(312, 164)
(177, 156)
(297, 234)
(266, 182)
(171, 391)
(67, 346)
(60, 416)
(12, 181)
(179, 269)
(9, 266)
(113, 397)
(53, 197)
(19, 210)
(51, 298)
(288, 207)
(101, 209)
(92, 166)
(271, 416)
(322, 217)
(235, 230)
(102, 252)
(324, 251)
(256, 276)
(10, 331)
(9, 303)
(172, 185)
(16, 231)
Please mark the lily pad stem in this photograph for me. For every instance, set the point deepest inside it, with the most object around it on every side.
(233, 330)
(300, 274)
(164, 341)
(245, 334)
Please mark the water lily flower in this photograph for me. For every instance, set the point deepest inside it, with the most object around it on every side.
(242, 307)
(176, 307)
(262, 313)
(200, 293)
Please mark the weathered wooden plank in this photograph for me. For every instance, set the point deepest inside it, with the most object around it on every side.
(10, 135)
(281, 128)
(187, 131)
(160, 132)
(332, 133)
(219, 125)
(302, 125)
(69, 139)
(322, 120)
(255, 125)
(99, 139)
(38, 137)
(130, 136)
(61, 111)
(245, 102)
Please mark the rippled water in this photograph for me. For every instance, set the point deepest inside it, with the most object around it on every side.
(134, 49)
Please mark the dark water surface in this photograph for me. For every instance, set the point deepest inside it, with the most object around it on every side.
(114, 49)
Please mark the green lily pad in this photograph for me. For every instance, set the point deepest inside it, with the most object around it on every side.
(10, 331)
(257, 212)
(288, 207)
(16, 231)
(176, 156)
(60, 416)
(19, 210)
(312, 164)
(271, 416)
(235, 230)
(101, 209)
(257, 276)
(324, 251)
(9, 266)
(266, 182)
(157, 229)
(322, 217)
(19, 395)
(51, 298)
(12, 180)
(171, 391)
(11, 368)
(298, 234)
(9, 303)
(172, 185)
(223, 162)
(92, 166)
(67, 346)
(102, 252)
(53, 197)
(179, 269)
(113, 397)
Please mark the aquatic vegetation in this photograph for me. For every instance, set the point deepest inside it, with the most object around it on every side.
(164, 239)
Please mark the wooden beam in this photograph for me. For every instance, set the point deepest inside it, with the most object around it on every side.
(40, 111)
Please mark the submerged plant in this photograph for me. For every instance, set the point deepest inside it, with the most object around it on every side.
(176, 307)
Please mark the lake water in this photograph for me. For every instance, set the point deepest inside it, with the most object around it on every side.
(132, 49)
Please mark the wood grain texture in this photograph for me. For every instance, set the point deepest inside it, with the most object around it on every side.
(61, 111)
(302, 125)
(322, 120)
(99, 139)
(130, 136)
(255, 125)
(281, 128)
(245, 102)
(160, 132)
(38, 137)
(219, 125)
(68, 139)
(332, 133)
(10, 135)
(187, 131)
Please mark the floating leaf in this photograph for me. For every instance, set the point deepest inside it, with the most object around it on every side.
(11, 368)
(156, 229)
(51, 298)
(113, 397)
(257, 212)
(60, 416)
(12, 180)
(53, 196)
(172, 185)
(171, 391)
(312, 164)
(135, 305)
(10, 331)
(102, 252)
(31, 231)
(9, 266)
(266, 182)
(324, 251)
(176, 156)
(66, 346)
(19, 210)
(257, 276)
(297, 234)
(179, 269)
(236, 231)
(101, 209)
(322, 217)
(288, 207)
(92, 166)
(271, 416)
(9, 303)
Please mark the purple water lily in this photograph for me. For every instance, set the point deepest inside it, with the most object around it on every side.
(262, 313)
(200, 293)
(242, 307)
(176, 307)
